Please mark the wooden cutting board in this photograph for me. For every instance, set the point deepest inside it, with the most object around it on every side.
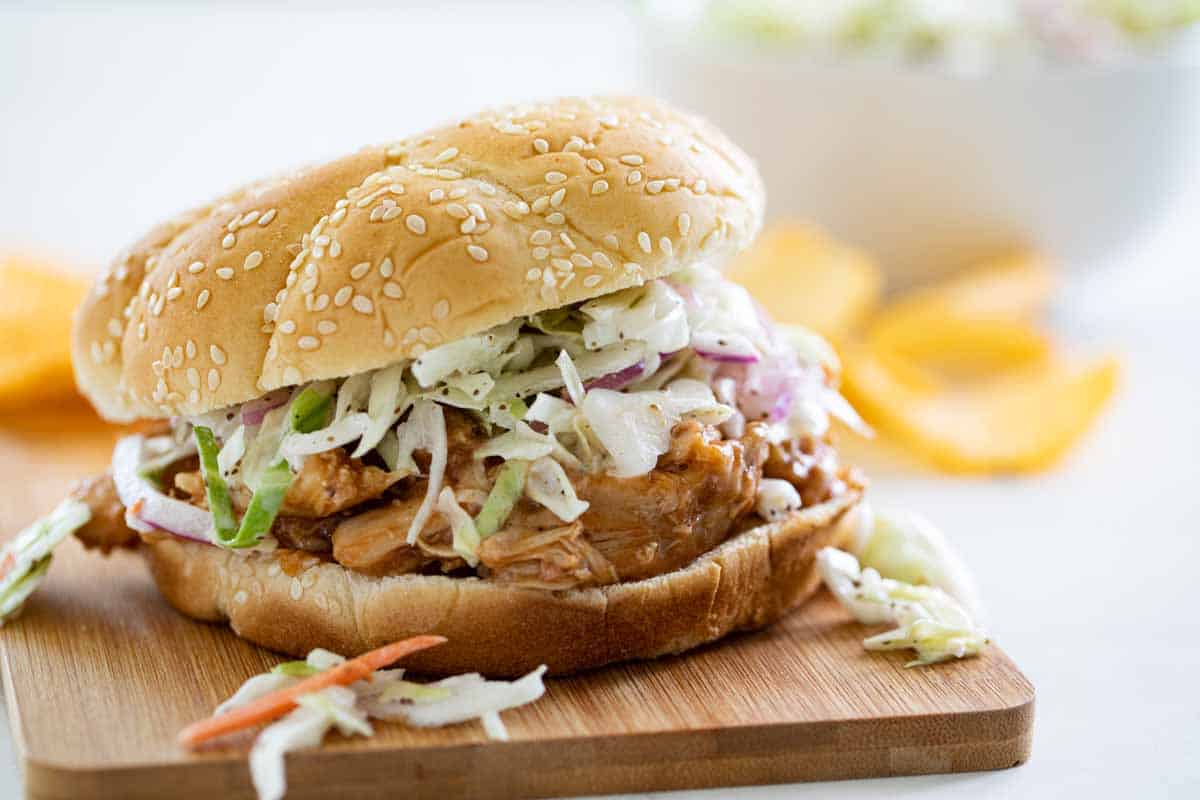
(100, 674)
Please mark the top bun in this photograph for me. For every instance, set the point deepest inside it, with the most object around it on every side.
(372, 258)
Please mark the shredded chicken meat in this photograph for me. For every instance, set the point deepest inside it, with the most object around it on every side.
(701, 492)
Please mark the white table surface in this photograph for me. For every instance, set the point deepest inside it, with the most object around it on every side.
(110, 120)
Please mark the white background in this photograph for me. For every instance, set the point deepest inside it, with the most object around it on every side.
(112, 119)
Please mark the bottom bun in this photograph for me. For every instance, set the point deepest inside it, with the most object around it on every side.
(284, 602)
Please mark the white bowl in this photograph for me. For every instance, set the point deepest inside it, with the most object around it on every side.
(930, 170)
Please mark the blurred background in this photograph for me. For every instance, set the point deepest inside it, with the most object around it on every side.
(992, 208)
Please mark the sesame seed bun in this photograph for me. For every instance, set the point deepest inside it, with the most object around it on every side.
(375, 257)
(744, 584)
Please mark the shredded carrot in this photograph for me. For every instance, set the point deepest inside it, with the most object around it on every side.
(278, 703)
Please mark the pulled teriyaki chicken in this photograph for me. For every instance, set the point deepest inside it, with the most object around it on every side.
(609, 441)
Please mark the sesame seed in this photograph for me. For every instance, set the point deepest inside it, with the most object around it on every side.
(321, 303)
(540, 253)
(700, 186)
(217, 354)
(308, 343)
(173, 281)
(478, 212)
(566, 239)
(362, 304)
(291, 375)
(196, 267)
(573, 145)
(457, 210)
(335, 248)
(601, 259)
(193, 396)
(229, 241)
(541, 145)
(360, 269)
(664, 244)
(634, 176)
(392, 213)
(252, 261)
(174, 292)
(308, 285)
(591, 281)
(542, 236)
(437, 195)
(415, 223)
(287, 327)
(389, 339)
(533, 274)
(557, 198)
(560, 263)
(449, 154)
(468, 225)
(643, 239)
(225, 273)
(487, 189)
(556, 218)
(202, 299)
(441, 309)
(554, 176)
(266, 218)
(580, 260)
(567, 281)
(457, 193)
(600, 186)
(342, 296)
(430, 335)
(632, 160)
(654, 187)
(595, 165)
(541, 204)
(684, 223)
(326, 326)
(190, 348)
(449, 174)
(214, 379)
(476, 252)
(193, 376)
(291, 280)
(610, 241)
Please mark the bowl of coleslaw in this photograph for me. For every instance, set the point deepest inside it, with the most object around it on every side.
(935, 134)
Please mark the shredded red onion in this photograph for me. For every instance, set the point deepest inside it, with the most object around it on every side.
(254, 411)
(617, 380)
(728, 358)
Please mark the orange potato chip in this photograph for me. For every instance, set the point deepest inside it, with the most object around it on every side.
(36, 304)
(1023, 420)
(959, 346)
(803, 277)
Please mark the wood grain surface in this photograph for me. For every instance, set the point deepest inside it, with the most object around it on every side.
(100, 674)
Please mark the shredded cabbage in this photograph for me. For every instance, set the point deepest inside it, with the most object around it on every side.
(929, 620)
(425, 429)
(505, 492)
(548, 485)
(383, 408)
(464, 356)
(466, 538)
(26, 557)
(305, 727)
(907, 547)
